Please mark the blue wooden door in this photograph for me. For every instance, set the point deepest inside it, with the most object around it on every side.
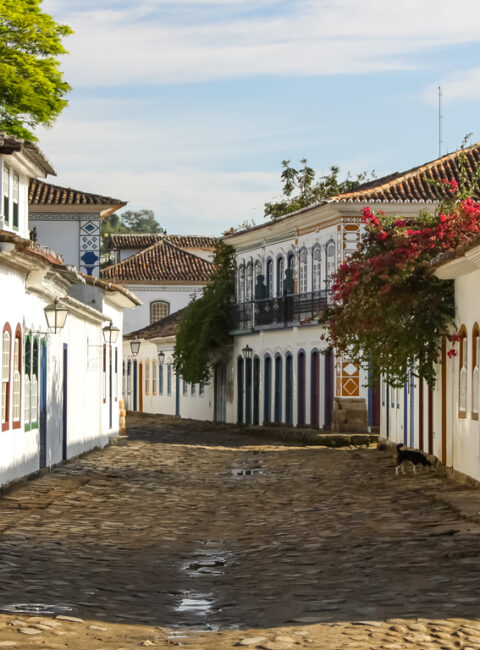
(177, 394)
(239, 390)
(65, 401)
(328, 389)
(43, 404)
(135, 388)
(301, 389)
(256, 390)
(267, 390)
(219, 408)
(315, 389)
(278, 388)
(289, 389)
(248, 391)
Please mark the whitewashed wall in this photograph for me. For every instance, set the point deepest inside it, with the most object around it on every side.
(61, 236)
(177, 296)
(192, 403)
(87, 416)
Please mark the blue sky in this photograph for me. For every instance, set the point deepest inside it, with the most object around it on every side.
(188, 107)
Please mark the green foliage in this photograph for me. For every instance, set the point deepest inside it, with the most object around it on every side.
(32, 90)
(300, 189)
(205, 322)
(140, 221)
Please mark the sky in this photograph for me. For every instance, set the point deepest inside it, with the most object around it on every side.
(188, 107)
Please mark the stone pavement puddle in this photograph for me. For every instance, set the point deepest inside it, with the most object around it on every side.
(36, 608)
(195, 603)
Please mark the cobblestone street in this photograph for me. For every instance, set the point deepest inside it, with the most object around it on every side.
(196, 536)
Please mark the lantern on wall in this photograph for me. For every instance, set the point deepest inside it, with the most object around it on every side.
(56, 315)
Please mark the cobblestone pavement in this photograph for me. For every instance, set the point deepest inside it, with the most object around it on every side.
(194, 535)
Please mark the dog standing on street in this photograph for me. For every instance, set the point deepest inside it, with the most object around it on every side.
(414, 457)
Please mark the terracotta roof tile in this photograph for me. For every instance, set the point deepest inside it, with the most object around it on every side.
(142, 240)
(42, 193)
(163, 261)
(408, 187)
(412, 185)
(167, 326)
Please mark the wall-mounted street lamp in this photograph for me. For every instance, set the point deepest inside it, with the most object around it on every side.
(161, 357)
(247, 352)
(56, 315)
(110, 333)
(135, 347)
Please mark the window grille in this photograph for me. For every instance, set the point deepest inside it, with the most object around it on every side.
(5, 375)
(158, 310)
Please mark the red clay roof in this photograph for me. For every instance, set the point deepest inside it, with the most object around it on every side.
(163, 261)
(167, 326)
(42, 193)
(413, 185)
(142, 240)
(410, 186)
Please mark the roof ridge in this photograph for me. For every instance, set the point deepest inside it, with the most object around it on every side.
(128, 259)
(409, 173)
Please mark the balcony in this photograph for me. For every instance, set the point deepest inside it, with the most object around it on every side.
(284, 311)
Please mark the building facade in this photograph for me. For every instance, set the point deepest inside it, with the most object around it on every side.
(68, 221)
(60, 383)
(165, 274)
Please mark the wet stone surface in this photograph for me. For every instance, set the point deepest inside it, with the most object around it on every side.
(196, 535)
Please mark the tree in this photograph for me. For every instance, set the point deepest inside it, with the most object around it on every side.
(140, 221)
(32, 90)
(300, 189)
(205, 322)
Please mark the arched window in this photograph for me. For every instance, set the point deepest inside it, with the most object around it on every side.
(280, 275)
(249, 286)
(330, 261)
(241, 284)
(302, 271)
(269, 278)
(462, 379)
(258, 270)
(17, 378)
(316, 269)
(475, 371)
(147, 376)
(158, 309)
(6, 355)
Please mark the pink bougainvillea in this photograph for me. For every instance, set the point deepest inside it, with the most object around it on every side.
(390, 310)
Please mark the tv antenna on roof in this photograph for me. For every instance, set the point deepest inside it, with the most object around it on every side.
(440, 118)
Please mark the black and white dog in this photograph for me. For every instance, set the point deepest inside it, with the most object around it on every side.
(414, 457)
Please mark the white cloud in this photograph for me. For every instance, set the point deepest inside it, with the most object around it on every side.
(463, 85)
(144, 43)
(185, 200)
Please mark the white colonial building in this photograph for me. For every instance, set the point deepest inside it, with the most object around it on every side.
(284, 271)
(164, 271)
(60, 381)
(68, 221)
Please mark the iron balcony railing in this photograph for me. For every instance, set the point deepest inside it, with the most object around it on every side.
(283, 311)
